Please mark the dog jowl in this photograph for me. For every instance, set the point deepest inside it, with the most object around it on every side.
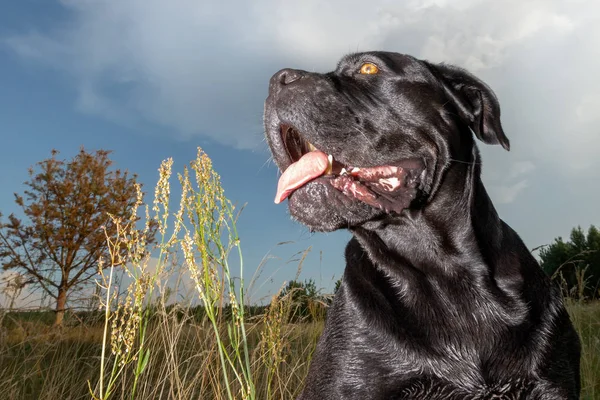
(440, 299)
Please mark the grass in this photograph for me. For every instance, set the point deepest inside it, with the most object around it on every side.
(142, 345)
(586, 318)
(40, 363)
(152, 343)
(184, 363)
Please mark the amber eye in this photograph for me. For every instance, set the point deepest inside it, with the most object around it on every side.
(369, 69)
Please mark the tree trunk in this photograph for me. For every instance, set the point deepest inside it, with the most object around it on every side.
(61, 301)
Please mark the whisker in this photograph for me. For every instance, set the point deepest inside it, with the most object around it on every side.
(268, 160)
(465, 162)
(365, 136)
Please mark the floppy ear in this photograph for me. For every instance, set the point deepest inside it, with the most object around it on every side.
(475, 102)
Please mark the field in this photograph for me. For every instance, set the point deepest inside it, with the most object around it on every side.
(40, 363)
(586, 318)
(138, 344)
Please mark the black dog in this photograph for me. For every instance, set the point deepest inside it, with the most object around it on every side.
(440, 298)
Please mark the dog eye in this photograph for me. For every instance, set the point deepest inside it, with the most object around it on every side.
(369, 69)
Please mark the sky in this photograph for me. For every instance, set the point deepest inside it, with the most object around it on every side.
(153, 79)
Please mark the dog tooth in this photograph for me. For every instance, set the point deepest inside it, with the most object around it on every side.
(329, 169)
(355, 169)
(344, 172)
(392, 183)
(311, 147)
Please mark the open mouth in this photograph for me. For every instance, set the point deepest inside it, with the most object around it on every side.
(387, 187)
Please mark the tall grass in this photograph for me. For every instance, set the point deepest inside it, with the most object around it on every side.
(39, 364)
(149, 342)
(141, 328)
(586, 318)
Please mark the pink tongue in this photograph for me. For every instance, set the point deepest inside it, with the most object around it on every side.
(310, 166)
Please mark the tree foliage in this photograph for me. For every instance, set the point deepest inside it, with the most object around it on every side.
(306, 304)
(337, 285)
(66, 207)
(576, 262)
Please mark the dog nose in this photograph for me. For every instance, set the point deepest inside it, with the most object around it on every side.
(288, 76)
(284, 78)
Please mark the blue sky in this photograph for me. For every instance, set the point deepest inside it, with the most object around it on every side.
(155, 79)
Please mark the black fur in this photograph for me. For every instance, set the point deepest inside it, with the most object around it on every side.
(442, 300)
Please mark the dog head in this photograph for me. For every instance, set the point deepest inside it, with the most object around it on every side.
(373, 137)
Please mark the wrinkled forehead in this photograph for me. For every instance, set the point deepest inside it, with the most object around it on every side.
(396, 62)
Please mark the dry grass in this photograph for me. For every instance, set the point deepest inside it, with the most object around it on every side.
(586, 317)
(147, 347)
(151, 344)
(184, 362)
(40, 363)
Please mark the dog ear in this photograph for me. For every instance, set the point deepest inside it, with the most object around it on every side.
(475, 102)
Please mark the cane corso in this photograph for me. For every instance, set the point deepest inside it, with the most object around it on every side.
(440, 299)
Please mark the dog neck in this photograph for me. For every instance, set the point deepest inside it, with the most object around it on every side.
(454, 234)
(455, 241)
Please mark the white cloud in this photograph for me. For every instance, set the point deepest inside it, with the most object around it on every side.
(519, 168)
(506, 184)
(202, 68)
(504, 194)
(588, 107)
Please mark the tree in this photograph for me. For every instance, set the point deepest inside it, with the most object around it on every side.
(66, 208)
(576, 262)
(338, 283)
(306, 303)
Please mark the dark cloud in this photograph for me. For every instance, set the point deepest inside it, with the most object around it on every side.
(201, 69)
